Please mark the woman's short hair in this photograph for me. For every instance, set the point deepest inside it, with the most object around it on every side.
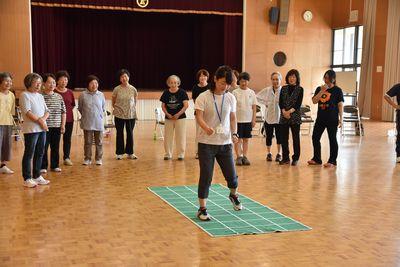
(28, 80)
(91, 78)
(175, 77)
(223, 72)
(47, 76)
(202, 72)
(4, 75)
(62, 73)
(295, 73)
(277, 73)
(244, 76)
(331, 75)
(122, 72)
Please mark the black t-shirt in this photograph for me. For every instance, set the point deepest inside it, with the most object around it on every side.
(395, 91)
(174, 101)
(197, 90)
(328, 109)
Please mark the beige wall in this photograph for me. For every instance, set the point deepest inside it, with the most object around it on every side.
(307, 45)
(15, 44)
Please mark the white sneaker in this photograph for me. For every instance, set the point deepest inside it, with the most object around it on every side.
(43, 171)
(397, 160)
(67, 162)
(6, 170)
(41, 181)
(132, 156)
(119, 157)
(86, 162)
(30, 183)
(56, 170)
(99, 162)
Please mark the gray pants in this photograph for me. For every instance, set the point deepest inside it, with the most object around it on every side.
(223, 155)
(5, 142)
(89, 136)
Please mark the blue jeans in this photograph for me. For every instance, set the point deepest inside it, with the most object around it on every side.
(34, 148)
(223, 155)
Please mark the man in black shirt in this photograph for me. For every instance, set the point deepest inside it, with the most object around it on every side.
(395, 91)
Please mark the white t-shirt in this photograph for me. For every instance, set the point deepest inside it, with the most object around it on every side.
(270, 99)
(33, 102)
(205, 102)
(245, 101)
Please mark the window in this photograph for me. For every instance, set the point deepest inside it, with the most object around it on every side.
(347, 49)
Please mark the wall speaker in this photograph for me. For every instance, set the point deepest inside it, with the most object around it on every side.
(283, 16)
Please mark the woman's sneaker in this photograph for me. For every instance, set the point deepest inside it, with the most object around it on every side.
(237, 205)
(30, 183)
(56, 170)
(203, 215)
(86, 162)
(246, 161)
(278, 157)
(239, 161)
(41, 181)
(6, 170)
(269, 157)
(119, 157)
(67, 162)
(43, 171)
(132, 156)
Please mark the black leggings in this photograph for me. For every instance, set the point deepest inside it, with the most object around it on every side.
(269, 133)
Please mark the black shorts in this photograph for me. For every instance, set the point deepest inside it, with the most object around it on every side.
(244, 129)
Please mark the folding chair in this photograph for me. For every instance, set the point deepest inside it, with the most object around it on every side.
(159, 126)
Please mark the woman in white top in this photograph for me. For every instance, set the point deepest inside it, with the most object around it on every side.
(216, 115)
(270, 98)
(34, 113)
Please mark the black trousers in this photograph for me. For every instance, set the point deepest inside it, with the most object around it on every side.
(69, 126)
(319, 129)
(53, 137)
(269, 133)
(295, 129)
(207, 156)
(122, 147)
(398, 133)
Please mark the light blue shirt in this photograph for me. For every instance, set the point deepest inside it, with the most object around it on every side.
(33, 102)
(92, 108)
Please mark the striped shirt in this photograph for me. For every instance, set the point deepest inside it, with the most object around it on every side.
(56, 106)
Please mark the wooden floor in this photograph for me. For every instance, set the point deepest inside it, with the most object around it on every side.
(105, 216)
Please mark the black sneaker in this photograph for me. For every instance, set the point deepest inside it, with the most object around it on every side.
(269, 157)
(278, 157)
(203, 215)
(237, 205)
(284, 162)
(295, 162)
(246, 161)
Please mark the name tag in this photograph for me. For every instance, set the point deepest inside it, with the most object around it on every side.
(219, 129)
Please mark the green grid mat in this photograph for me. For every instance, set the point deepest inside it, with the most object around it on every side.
(254, 218)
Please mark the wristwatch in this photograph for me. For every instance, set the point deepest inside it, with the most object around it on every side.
(235, 134)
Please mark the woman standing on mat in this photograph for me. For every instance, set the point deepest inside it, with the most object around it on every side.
(330, 100)
(124, 100)
(290, 102)
(216, 116)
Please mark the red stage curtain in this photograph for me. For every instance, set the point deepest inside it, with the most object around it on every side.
(152, 46)
(226, 6)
